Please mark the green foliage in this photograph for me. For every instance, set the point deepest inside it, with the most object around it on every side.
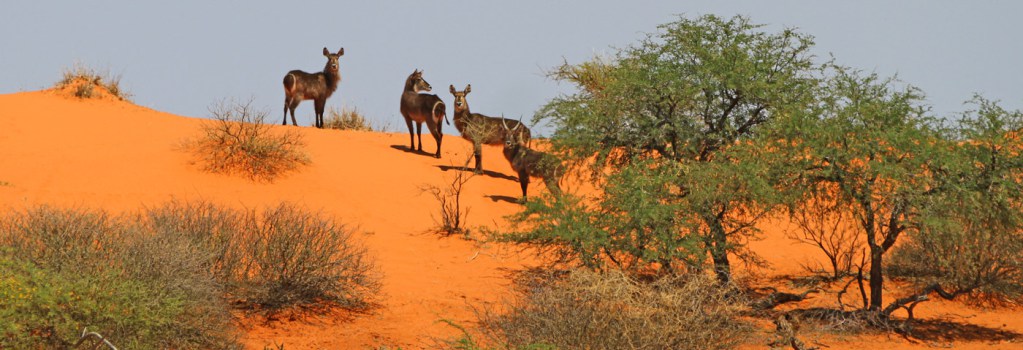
(237, 140)
(973, 238)
(873, 142)
(587, 310)
(166, 277)
(669, 121)
(39, 306)
(87, 270)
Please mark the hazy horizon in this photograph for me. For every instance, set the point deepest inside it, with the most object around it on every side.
(181, 57)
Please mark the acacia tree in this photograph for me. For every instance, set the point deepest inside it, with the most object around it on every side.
(899, 174)
(973, 240)
(874, 144)
(663, 127)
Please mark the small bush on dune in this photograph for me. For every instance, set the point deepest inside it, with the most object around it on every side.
(590, 310)
(273, 259)
(346, 119)
(295, 257)
(237, 140)
(214, 230)
(85, 80)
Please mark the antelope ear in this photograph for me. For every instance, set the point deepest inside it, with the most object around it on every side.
(341, 52)
(452, 89)
(468, 87)
(326, 52)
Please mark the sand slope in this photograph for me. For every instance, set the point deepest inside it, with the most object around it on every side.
(118, 156)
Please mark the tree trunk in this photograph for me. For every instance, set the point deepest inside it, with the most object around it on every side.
(719, 249)
(876, 277)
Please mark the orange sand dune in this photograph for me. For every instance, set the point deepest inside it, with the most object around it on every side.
(118, 156)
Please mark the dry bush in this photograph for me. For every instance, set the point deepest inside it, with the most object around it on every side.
(449, 197)
(825, 224)
(85, 80)
(589, 310)
(296, 257)
(273, 259)
(346, 119)
(213, 230)
(64, 240)
(237, 140)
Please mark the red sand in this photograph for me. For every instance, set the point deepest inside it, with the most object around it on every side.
(118, 156)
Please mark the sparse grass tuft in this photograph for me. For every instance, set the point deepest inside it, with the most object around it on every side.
(237, 140)
(346, 119)
(84, 81)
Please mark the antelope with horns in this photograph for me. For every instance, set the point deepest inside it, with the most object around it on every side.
(527, 162)
(422, 108)
(480, 129)
(299, 86)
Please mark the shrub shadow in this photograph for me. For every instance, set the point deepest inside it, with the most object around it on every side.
(948, 330)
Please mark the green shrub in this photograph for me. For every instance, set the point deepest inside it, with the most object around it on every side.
(589, 310)
(138, 288)
(41, 307)
(237, 140)
(166, 277)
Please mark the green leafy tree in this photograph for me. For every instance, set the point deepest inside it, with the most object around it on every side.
(954, 192)
(873, 141)
(670, 123)
(973, 239)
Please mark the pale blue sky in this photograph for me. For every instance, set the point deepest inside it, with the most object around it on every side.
(181, 56)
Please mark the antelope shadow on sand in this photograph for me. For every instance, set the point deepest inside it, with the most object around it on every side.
(405, 149)
(487, 173)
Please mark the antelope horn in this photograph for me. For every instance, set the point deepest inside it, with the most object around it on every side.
(504, 124)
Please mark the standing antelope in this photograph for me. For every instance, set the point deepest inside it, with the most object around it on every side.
(422, 108)
(527, 162)
(299, 86)
(480, 129)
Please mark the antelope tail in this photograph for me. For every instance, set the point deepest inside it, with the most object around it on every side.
(442, 110)
(289, 82)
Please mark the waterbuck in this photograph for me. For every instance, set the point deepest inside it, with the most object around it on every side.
(480, 129)
(527, 162)
(422, 108)
(299, 86)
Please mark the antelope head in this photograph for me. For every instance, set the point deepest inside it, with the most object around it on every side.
(460, 104)
(332, 59)
(418, 83)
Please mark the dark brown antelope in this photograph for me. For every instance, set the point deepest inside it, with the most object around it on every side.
(527, 162)
(422, 108)
(480, 129)
(299, 86)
